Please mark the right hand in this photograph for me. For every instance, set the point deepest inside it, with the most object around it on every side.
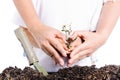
(51, 41)
(75, 43)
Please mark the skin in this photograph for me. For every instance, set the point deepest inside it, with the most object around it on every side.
(93, 40)
(75, 43)
(53, 41)
(46, 36)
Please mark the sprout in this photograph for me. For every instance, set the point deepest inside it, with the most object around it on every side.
(67, 30)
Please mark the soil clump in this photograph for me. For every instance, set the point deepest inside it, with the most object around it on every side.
(108, 72)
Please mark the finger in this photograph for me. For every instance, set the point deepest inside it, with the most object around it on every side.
(71, 62)
(51, 55)
(80, 34)
(48, 48)
(74, 35)
(77, 34)
(58, 46)
(63, 43)
(46, 51)
(78, 57)
(78, 49)
(43, 47)
(61, 36)
(76, 42)
(71, 49)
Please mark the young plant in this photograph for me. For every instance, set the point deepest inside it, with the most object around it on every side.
(67, 30)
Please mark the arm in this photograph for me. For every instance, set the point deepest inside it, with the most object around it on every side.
(47, 37)
(108, 18)
(93, 40)
(28, 13)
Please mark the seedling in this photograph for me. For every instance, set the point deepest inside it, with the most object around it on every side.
(67, 30)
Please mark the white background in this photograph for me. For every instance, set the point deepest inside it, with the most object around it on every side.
(11, 52)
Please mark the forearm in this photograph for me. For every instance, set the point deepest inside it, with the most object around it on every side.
(108, 18)
(27, 12)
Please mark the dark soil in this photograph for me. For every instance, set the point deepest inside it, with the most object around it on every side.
(108, 72)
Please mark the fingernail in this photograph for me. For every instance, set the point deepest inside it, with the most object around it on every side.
(65, 54)
(61, 63)
(71, 55)
(68, 65)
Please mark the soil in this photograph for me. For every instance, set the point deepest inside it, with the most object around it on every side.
(108, 72)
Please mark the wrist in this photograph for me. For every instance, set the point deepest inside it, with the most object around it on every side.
(103, 36)
(35, 26)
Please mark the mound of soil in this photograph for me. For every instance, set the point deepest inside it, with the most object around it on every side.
(108, 72)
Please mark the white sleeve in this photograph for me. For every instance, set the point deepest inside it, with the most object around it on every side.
(111, 1)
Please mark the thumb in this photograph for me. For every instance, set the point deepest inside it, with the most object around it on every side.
(62, 37)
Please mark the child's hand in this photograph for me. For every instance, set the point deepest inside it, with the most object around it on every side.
(47, 38)
(76, 42)
(92, 41)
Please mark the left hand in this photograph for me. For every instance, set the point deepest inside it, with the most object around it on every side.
(92, 41)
